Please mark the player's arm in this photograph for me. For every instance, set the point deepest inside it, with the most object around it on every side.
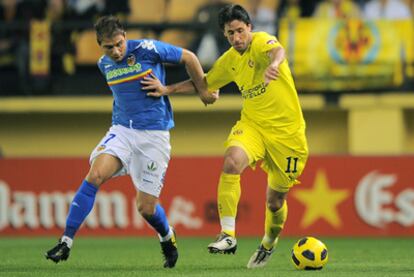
(196, 73)
(276, 56)
(197, 83)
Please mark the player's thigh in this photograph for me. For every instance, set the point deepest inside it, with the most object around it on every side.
(249, 139)
(149, 161)
(284, 162)
(116, 142)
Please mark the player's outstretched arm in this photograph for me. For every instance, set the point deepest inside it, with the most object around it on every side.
(197, 83)
(156, 89)
(276, 55)
(194, 70)
(196, 73)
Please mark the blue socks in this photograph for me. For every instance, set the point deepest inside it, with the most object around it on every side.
(83, 202)
(80, 207)
(159, 221)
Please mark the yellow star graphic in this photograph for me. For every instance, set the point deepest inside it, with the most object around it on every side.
(321, 202)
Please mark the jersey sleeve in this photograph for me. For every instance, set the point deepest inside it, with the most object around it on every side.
(265, 42)
(168, 53)
(218, 76)
(100, 66)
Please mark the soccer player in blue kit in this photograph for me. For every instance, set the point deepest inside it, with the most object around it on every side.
(138, 142)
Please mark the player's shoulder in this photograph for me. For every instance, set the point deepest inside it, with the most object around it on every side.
(263, 37)
(144, 45)
(104, 60)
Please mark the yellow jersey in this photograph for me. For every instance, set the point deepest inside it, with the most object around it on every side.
(274, 107)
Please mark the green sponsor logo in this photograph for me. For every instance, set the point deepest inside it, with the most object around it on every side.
(123, 71)
(152, 166)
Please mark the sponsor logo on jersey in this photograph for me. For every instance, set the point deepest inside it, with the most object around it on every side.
(237, 132)
(131, 60)
(136, 68)
(254, 91)
(250, 63)
(272, 41)
(148, 44)
(101, 147)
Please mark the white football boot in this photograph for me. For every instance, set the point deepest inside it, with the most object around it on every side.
(224, 244)
(260, 257)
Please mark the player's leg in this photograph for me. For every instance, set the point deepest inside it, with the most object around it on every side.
(244, 147)
(103, 168)
(275, 218)
(284, 163)
(105, 162)
(148, 167)
(154, 214)
(235, 161)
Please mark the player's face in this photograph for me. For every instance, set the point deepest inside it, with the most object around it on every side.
(239, 34)
(114, 47)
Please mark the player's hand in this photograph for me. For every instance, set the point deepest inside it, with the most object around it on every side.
(271, 73)
(154, 87)
(209, 97)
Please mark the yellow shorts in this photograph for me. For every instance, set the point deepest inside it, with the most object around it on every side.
(283, 158)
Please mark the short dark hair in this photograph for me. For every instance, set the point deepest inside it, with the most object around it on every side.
(107, 27)
(233, 12)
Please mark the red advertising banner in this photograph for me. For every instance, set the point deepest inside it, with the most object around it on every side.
(338, 196)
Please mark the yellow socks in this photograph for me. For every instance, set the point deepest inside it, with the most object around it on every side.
(274, 223)
(228, 198)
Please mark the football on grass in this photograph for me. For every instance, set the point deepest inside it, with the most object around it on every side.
(309, 253)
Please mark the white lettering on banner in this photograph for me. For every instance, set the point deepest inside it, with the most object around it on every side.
(371, 198)
(53, 208)
(4, 203)
(23, 210)
(180, 213)
(26, 209)
(110, 210)
(405, 202)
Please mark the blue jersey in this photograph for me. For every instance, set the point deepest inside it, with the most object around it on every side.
(132, 108)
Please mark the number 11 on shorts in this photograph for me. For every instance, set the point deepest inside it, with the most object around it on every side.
(291, 165)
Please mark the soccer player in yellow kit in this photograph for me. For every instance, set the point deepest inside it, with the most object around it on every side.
(271, 128)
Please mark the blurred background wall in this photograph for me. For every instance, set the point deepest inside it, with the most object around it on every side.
(353, 64)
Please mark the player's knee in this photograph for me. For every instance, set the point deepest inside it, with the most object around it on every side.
(146, 210)
(95, 177)
(232, 165)
(275, 205)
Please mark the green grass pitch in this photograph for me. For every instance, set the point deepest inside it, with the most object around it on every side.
(142, 257)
